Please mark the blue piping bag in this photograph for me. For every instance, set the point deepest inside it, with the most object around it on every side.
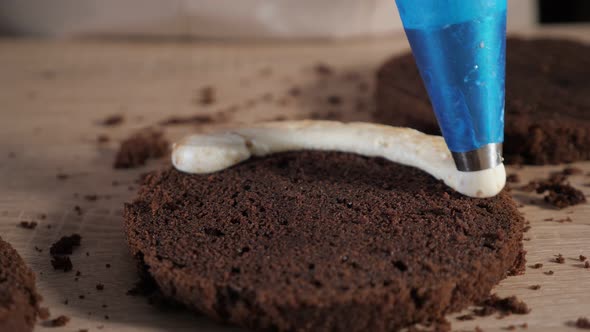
(460, 50)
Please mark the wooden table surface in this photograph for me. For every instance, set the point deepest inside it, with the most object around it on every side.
(53, 95)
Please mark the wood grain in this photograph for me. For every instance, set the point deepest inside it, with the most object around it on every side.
(53, 94)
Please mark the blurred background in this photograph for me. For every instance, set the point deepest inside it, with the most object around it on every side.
(242, 18)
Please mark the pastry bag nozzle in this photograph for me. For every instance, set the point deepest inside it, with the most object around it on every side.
(460, 50)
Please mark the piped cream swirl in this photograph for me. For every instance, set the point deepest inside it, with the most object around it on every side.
(206, 153)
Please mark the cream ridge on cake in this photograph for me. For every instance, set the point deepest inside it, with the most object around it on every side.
(207, 153)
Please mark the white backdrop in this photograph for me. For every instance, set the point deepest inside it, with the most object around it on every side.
(218, 18)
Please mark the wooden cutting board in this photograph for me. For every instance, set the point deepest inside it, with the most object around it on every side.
(53, 96)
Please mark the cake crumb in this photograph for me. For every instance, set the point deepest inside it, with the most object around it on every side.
(570, 170)
(187, 120)
(61, 263)
(112, 120)
(102, 138)
(582, 258)
(60, 321)
(564, 220)
(535, 287)
(99, 287)
(43, 313)
(549, 273)
(28, 224)
(583, 323)
(323, 69)
(513, 178)
(207, 95)
(62, 176)
(559, 259)
(65, 245)
(505, 306)
(587, 265)
(536, 266)
(139, 147)
(561, 195)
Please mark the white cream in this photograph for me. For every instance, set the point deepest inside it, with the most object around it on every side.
(206, 153)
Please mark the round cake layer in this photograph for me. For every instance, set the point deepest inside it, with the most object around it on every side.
(547, 112)
(18, 295)
(321, 241)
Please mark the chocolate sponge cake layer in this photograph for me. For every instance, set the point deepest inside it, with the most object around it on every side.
(547, 112)
(321, 241)
(19, 301)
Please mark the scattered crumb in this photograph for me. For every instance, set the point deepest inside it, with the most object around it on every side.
(587, 265)
(61, 263)
(466, 317)
(83, 330)
(583, 323)
(207, 95)
(106, 316)
(505, 306)
(108, 266)
(37, 249)
(478, 329)
(78, 210)
(59, 321)
(323, 69)
(62, 176)
(43, 313)
(582, 258)
(78, 273)
(61, 249)
(536, 266)
(99, 287)
(334, 100)
(562, 195)
(42, 216)
(28, 224)
(81, 297)
(139, 147)
(294, 91)
(559, 259)
(112, 120)
(510, 328)
(65, 245)
(570, 170)
(549, 273)
(535, 287)
(513, 178)
(102, 138)
(548, 219)
(187, 120)
(564, 220)
(91, 198)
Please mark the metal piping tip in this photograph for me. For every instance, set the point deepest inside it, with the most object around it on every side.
(487, 156)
